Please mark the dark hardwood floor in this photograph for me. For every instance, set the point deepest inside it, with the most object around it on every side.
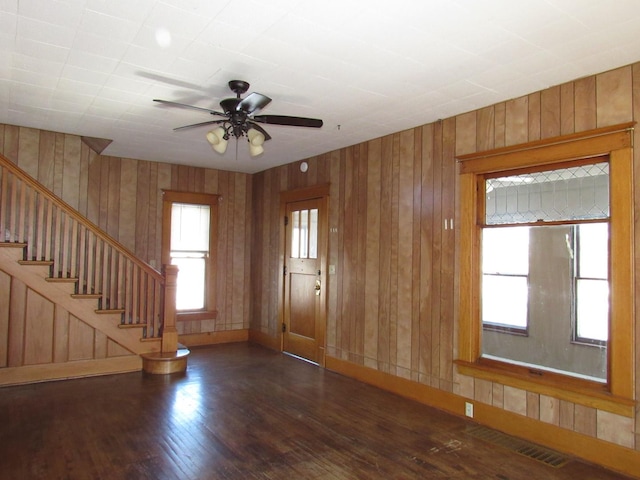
(244, 412)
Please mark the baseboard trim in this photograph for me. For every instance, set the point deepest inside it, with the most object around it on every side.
(213, 338)
(260, 338)
(63, 371)
(590, 449)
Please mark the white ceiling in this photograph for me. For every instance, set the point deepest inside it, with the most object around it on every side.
(367, 68)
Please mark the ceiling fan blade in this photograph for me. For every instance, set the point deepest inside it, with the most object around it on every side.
(286, 120)
(252, 102)
(260, 129)
(176, 104)
(193, 125)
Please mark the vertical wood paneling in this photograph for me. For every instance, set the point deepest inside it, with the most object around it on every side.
(405, 249)
(417, 253)
(46, 160)
(238, 254)
(614, 97)
(81, 338)
(5, 299)
(585, 103)
(567, 109)
(58, 165)
(393, 299)
(448, 256)
(38, 330)
(17, 311)
(29, 142)
(128, 204)
(550, 112)
(142, 210)
(361, 165)
(534, 120)
(372, 267)
(71, 177)
(113, 198)
(426, 253)
(60, 335)
(485, 129)
(517, 115)
(384, 301)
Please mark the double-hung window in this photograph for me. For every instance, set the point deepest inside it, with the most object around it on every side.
(546, 267)
(189, 242)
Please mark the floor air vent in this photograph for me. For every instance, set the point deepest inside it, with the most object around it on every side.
(541, 454)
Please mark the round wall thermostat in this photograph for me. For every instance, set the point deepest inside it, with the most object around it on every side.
(304, 166)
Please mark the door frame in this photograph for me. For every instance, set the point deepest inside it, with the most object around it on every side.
(320, 192)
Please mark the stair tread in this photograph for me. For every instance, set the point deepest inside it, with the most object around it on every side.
(13, 244)
(61, 280)
(36, 262)
(86, 295)
(109, 310)
(133, 325)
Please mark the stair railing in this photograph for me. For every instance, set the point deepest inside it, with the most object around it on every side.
(79, 250)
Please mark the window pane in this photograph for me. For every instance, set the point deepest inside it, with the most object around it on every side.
(191, 282)
(504, 300)
(189, 227)
(313, 234)
(304, 232)
(295, 234)
(593, 309)
(593, 242)
(505, 250)
(575, 193)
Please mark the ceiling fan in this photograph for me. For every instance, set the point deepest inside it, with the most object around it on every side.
(240, 119)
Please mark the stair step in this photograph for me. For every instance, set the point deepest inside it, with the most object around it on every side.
(165, 362)
(13, 244)
(113, 310)
(46, 263)
(132, 325)
(88, 296)
(61, 280)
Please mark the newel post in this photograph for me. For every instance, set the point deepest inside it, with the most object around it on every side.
(169, 330)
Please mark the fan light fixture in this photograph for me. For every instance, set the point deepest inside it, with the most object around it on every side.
(240, 119)
(219, 138)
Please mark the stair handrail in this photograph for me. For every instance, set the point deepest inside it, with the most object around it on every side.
(69, 210)
(76, 247)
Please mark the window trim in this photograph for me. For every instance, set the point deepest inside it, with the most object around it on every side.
(169, 197)
(616, 143)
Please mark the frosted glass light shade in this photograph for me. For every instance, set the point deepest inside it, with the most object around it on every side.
(216, 138)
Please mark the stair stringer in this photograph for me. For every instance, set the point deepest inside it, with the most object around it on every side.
(83, 309)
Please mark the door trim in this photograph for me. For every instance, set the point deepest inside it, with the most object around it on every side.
(300, 194)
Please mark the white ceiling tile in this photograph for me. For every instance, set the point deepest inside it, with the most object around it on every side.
(47, 51)
(63, 13)
(89, 61)
(177, 21)
(135, 11)
(45, 32)
(93, 67)
(108, 26)
(99, 45)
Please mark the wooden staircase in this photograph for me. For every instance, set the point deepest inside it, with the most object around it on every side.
(64, 258)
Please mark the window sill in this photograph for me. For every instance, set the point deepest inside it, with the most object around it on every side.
(196, 315)
(575, 390)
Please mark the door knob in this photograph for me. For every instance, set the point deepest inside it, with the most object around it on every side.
(317, 287)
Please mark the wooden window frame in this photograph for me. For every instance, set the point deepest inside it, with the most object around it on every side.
(169, 197)
(614, 142)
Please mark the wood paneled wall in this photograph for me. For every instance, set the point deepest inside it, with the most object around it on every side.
(39, 332)
(124, 197)
(393, 208)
